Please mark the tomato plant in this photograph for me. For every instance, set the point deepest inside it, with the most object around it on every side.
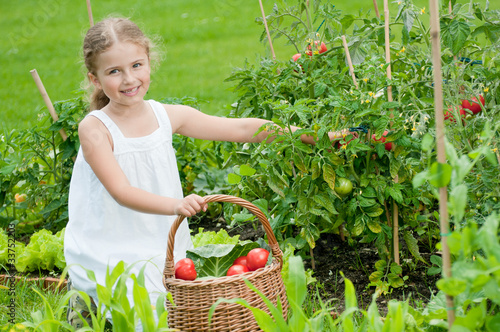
(184, 269)
(257, 258)
(319, 47)
(237, 269)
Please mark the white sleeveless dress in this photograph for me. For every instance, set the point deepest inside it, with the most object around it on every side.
(100, 232)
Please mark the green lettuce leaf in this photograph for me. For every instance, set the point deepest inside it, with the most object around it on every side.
(215, 259)
(211, 237)
(45, 251)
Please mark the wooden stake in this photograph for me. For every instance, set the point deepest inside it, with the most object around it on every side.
(267, 29)
(89, 10)
(376, 8)
(47, 101)
(349, 62)
(441, 153)
(395, 209)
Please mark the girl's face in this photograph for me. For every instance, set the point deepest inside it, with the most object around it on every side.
(123, 73)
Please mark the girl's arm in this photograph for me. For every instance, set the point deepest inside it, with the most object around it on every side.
(97, 149)
(190, 122)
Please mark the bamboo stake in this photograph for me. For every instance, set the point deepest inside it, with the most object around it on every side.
(376, 8)
(267, 29)
(47, 101)
(349, 62)
(89, 10)
(395, 209)
(441, 153)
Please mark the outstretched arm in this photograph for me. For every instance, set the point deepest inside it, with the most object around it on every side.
(97, 147)
(190, 122)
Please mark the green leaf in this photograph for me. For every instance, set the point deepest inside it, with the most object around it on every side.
(299, 163)
(233, 178)
(394, 280)
(455, 35)
(295, 282)
(211, 237)
(315, 168)
(329, 175)
(440, 174)
(380, 265)
(376, 276)
(451, 286)
(427, 142)
(215, 259)
(396, 269)
(246, 170)
(458, 201)
(395, 193)
(374, 225)
(412, 244)
(394, 167)
(325, 201)
(359, 226)
(366, 202)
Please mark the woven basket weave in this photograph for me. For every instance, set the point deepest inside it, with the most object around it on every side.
(193, 299)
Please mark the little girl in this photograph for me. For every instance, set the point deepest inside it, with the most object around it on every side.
(125, 190)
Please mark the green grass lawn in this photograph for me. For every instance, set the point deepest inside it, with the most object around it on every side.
(202, 41)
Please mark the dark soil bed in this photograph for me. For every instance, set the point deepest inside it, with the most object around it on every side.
(332, 256)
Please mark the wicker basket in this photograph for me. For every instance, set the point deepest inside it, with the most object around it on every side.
(193, 299)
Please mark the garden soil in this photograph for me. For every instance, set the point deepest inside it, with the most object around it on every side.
(333, 256)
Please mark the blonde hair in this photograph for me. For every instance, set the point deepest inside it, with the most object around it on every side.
(101, 37)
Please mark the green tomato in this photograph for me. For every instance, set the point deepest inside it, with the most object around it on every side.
(344, 187)
(479, 194)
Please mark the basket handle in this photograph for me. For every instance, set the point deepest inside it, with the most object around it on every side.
(168, 271)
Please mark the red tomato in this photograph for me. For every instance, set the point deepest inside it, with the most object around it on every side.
(474, 106)
(241, 260)
(257, 258)
(388, 146)
(338, 145)
(296, 57)
(448, 115)
(237, 269)
(321, 48)
(184, 269)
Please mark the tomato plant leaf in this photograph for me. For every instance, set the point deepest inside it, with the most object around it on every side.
(394, 166)
(315, 168)
(395, 193)
(299, 162)
(455, 34)
(412, 244)
(325, 201)
(373, 224)
(329, 175)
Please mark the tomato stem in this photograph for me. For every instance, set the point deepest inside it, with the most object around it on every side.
(354, 174)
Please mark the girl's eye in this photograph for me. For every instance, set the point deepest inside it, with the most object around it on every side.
(113, 71)
(136, 65)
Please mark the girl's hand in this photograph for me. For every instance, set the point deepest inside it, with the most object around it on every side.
(337, 135)
(190, 205)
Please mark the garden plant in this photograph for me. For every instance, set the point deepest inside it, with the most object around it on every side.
(377, 188)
